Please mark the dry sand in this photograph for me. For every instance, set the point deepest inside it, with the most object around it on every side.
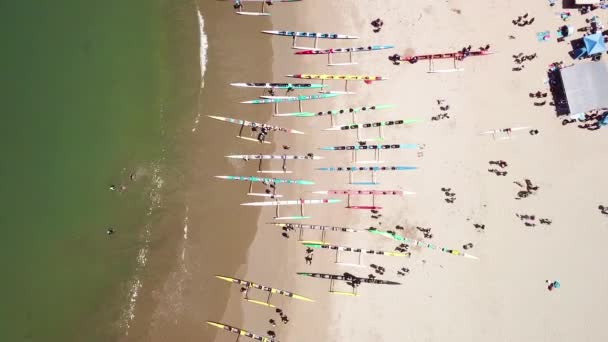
(502, 296)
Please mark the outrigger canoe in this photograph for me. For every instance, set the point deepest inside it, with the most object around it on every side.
(352, 110)
(416, 243)
(292, 98)
(317, 227)
(294, 86)
(348, 278)
(345, 50)
(264, 288)
(292, 202)
(372, 125)
(242, 332)
(351, 249)
(310, 35)
(338, 77)
(455, 55)
(254, 124)
(367, 168)
(273, 157)
(368, 147)
(267, 180)
(360, 192)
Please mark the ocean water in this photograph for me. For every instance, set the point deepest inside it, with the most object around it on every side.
(85, 104)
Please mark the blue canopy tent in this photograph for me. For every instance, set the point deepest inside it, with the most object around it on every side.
(594, 44)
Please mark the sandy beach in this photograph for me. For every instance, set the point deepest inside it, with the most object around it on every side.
(502, 296)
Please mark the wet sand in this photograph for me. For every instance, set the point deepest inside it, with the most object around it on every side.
(208, 232)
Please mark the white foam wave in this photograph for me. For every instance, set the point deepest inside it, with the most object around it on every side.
(203, 45)
(135, 284)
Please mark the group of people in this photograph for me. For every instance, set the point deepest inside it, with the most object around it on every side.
(377, 269)
(426, 232)
(450, 196)
(377, 24)
(523, 20)
(273, 323)
(530, 220)
(520, 58)
(444, 108)
(530, 189)
(402, 248)
(500, 163)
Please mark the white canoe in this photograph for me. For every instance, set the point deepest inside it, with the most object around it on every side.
(292, 202)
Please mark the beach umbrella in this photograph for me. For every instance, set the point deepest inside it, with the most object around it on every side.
(556, 284)
(594, 43)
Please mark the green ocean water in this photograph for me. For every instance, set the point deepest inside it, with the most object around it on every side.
(83, 84)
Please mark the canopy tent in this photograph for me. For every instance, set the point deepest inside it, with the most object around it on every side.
(586, 86)
(594, 43)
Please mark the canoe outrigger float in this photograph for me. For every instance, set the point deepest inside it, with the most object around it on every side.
(271, 182)
(505, 133)
(365, 78)
(372, 169)
(416, 243)
(455, 56)
(239, 6)
(372, 193)
(300, 202)
(241, 332)
(254, 127)
(271, 290)
(283, 157)
(323, 229)
(350, 51)
(359, 251)
(315, 35)
(298, 99)
(380, 125)
(365, 147)
(353, 280)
